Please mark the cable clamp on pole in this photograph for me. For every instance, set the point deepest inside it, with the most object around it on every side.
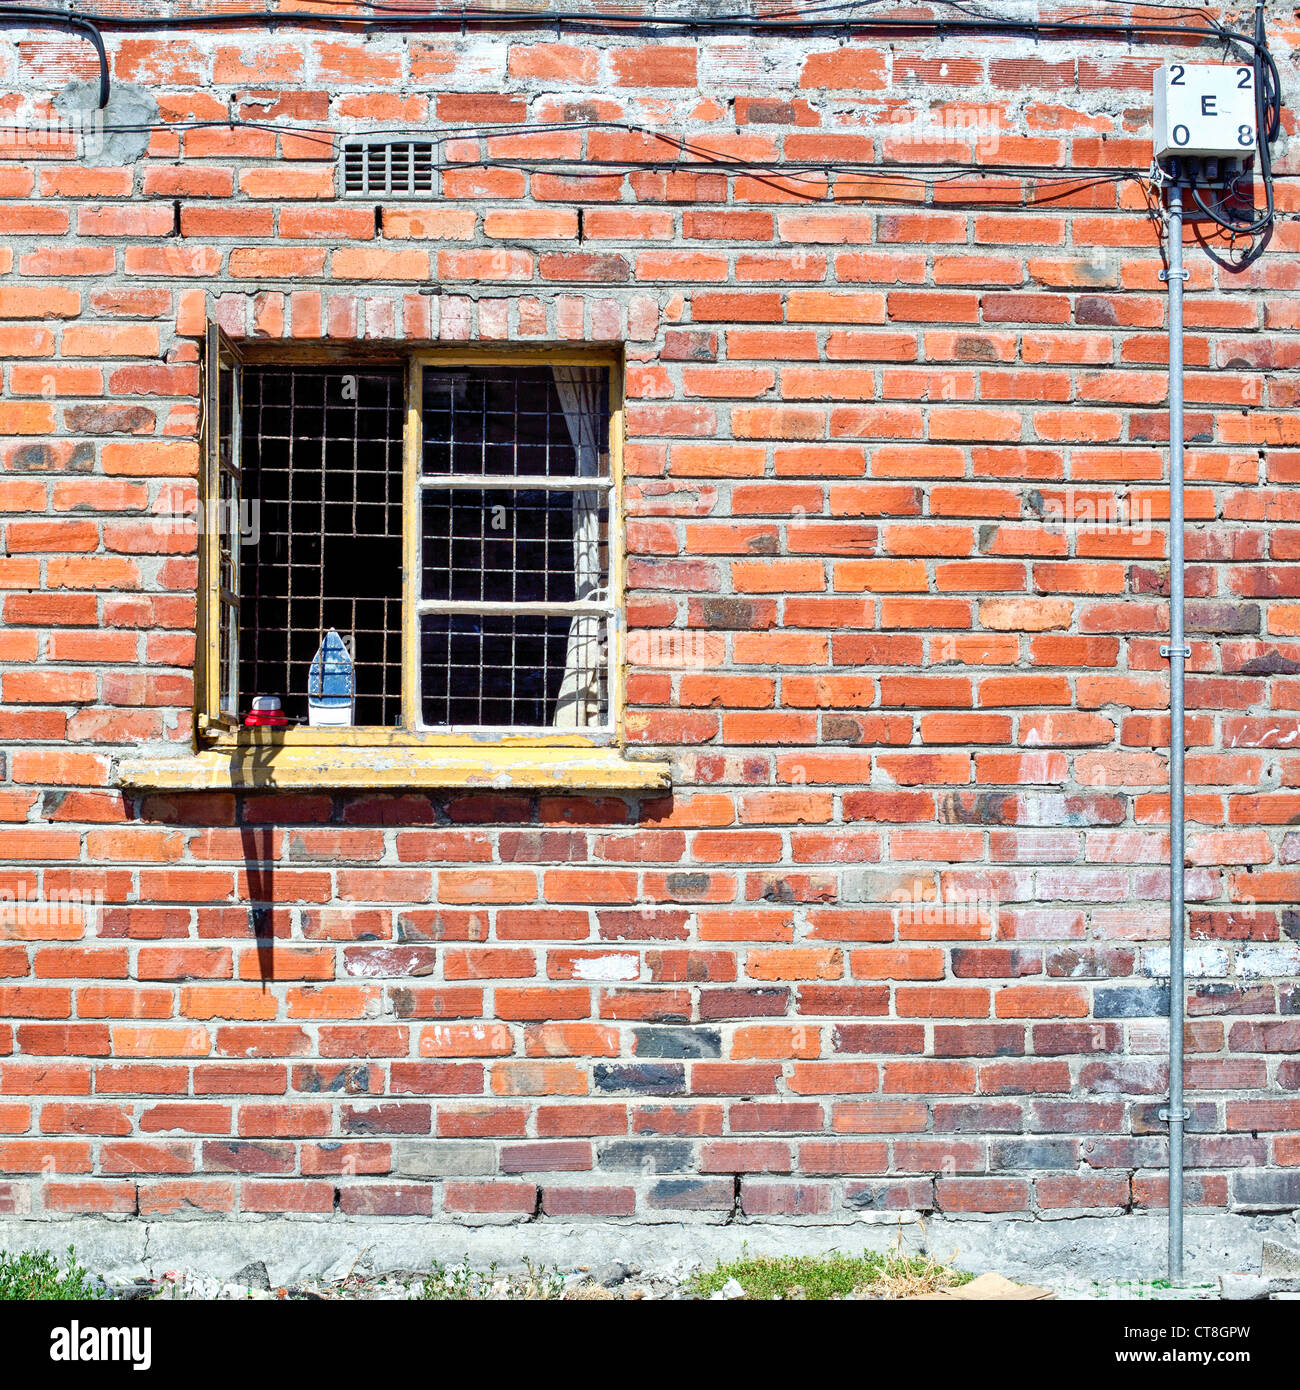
(1166, 1114)
(1166, 650)
(1182, 275)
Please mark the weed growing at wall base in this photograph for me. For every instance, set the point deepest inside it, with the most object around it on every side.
(36, 1275)
(889, 1275)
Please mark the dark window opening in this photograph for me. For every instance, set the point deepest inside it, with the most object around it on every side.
(501, 420)
(503, 545)
(492, 669)
(322, 468)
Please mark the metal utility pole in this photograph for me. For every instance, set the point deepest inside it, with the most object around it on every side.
(1177, 653)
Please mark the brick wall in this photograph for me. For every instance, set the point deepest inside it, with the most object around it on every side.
(897, 937)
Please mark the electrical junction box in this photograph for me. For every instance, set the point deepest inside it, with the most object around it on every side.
(1205, 110)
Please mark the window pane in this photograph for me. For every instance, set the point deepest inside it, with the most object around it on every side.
(501, 420)
(508, 669)
(507, 546)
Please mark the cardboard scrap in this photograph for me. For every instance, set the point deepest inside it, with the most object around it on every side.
(985, 1287)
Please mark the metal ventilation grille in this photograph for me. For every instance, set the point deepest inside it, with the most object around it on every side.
(395, 168)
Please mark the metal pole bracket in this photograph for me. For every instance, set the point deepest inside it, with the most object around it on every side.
(1167, 650)
(1176, 275)
(1169, 1117)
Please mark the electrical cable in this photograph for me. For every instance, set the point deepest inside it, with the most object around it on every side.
(700, 159)
(817, 19)
(63, 19)
(1268, 115)
(383, 16)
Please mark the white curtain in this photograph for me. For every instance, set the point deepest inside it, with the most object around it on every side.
(579, 700)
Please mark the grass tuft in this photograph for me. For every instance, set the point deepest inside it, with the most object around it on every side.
(890, 1275)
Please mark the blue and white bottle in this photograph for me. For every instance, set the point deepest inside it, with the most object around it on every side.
(331, 684)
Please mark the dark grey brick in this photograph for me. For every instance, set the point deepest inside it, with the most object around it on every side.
(1260, 1189)
(647, 1156)
(1125, 1152)
(694, 1194)
(646, 1079)
(1033, 1153)
(1132, 1001)
(677, 1042)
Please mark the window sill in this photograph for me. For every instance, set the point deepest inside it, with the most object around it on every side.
(360, 768)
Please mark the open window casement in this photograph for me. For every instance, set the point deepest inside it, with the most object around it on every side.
(219, 533)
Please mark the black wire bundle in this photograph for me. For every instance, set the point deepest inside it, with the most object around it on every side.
(830, 18)
(64, 19)
(1268, 120)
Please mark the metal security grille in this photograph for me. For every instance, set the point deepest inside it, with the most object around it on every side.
(393, 168)
(514, 610)
(322, 470)
(498, 669)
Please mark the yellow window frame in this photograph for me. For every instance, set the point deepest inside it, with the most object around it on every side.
(221, 734)
(216, 708)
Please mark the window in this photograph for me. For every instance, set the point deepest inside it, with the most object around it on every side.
(452, 517)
